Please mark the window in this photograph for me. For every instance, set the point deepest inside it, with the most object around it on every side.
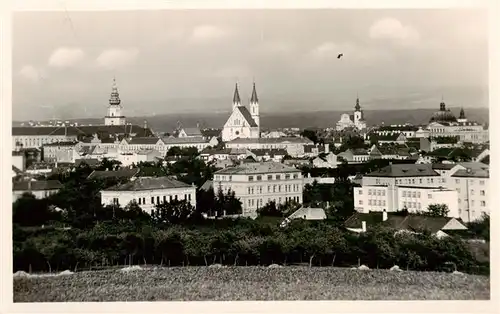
(481, 182)
(481, 192)
(379, 202)
(360, 192)
(189, 196)
(483, 203)
(260, 189)
(360, 202)
(164, 198)
(278, 177)
(370, 192)
(404, 204)
(429, 196)
(295, 176)
(252, 191)
(279, 188)
(176, 197)
(268, 188)
(274, 188)
(404, 193)
(472, 203)
(420, 180)
(248, 190)
(457, 181)
(144, 200)
(158, 200)
(269, 177)
(472, 192)
(279, 200)
(249, 202)
(185, 197)
(259, 178)
(459, 200)
(230, 178)
(115, 201)
(414, 194)
(139, 201)
(471, 182)
(250, 178)
(432, 180)
(287, 177)
(418, 194)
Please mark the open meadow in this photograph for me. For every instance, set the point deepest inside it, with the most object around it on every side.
(250, 283)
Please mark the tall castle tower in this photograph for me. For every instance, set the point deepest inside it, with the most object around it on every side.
(115, 115)
(254, 106)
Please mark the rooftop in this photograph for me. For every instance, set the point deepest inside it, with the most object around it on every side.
(149, 183)
(277, 140)
(36, 185)
(120, 173)
(404, 170)
(257, 168)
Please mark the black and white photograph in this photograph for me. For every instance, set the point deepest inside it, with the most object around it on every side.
(250, 154)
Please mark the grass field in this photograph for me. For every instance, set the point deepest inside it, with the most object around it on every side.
(250, 283)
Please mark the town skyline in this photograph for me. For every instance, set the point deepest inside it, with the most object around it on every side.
(294, 65)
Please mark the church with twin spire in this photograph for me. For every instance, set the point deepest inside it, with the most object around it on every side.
(243, 122)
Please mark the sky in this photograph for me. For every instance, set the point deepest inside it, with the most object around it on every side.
(177, 61)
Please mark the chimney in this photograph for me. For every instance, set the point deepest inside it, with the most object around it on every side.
(363, 226)
(384, 215)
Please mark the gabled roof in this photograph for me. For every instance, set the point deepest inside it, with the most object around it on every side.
(472, 173)
(89, 161)
(209, 184)
(149, 183)
(309, 213)
(36, 185)
(277, 140)
(404, 170)
(69, 144)
(120, 173)
(441, 166)
(184, 140)
(211, 132)
(258, 168)
(192, 131)
(247, 116)
(270, 152)
(143, 140)
(215, 151)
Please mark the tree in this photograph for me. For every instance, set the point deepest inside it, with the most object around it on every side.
(270, 210)
(438, 210)
(310, 134)
(227, 204)
(173, 212)
(30, 211)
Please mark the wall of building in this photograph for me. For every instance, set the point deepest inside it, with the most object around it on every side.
(147, 200)
(255, 193)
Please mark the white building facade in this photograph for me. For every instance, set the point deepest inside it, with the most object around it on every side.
(256, 184)
(148, 192)
(356, 120)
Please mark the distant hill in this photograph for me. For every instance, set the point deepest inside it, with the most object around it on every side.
(321, 119)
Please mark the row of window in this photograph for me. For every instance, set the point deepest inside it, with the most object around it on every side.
(471, 182)
(472, 202)
(260, 202)
(413, 194)
(156, 200)
(374, 192)
(374, 202)
(275, 188)
(416, 205)
(420, 181)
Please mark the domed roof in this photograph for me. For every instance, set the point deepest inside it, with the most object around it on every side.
(443, 115)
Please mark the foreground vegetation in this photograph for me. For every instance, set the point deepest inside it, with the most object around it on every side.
(250, 283)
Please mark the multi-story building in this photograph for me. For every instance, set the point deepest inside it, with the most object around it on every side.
(471, 181)
(293, 145)
(379, 198)
(40, 189)
(443, 123)
(62, 152)
(256, 184)
(148, 192)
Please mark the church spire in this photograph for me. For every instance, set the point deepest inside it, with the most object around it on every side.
(115, 96)
(236, 97)
(357, 107)
(254, 98)
(462, 114)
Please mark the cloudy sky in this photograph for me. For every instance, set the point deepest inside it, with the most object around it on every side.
(174, 61)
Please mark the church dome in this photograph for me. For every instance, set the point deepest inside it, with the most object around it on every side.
(443, 115)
